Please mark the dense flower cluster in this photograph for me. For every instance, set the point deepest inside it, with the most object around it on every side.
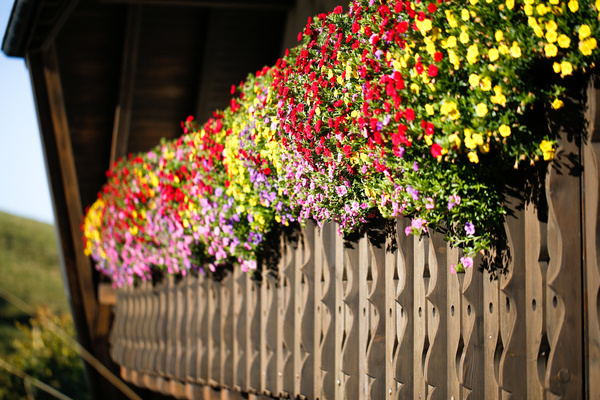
(410, 108)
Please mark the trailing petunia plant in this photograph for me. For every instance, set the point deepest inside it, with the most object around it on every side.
(397, 108)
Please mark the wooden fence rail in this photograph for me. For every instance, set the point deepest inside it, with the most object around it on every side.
(386, 318)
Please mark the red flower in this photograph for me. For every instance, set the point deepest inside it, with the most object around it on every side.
(419, 67)
(338, 10)
(436, 150)
(409, 114)
(438, 56)
(432, 7)
(432, 70)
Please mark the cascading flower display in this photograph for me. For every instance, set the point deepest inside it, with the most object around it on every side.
(409, 108)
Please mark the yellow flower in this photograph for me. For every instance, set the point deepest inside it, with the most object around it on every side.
(473, 157)
(472, 54)
(547, 150)
(554, 2)
(564, 41)
(454, 59)
(464, 14)
(556, 104)
(504, 130)
(493, 54)
(464, 37)
(486, 84)
(573, 6)
(474, 80)
(499, 36)
(551, 36)
(541, 9)
(481, 110)
(584, 31)
(566, 68)
(587, 46)
(429, 109)
(450, 109)
(503, 49)
(510, 4)
(556, 67)
(528, 8)
(550, 50)
(515, 50)
(454, 138)
(473, 2)
(470, 143)
(451, 20)
(415, 88)
(449, 43)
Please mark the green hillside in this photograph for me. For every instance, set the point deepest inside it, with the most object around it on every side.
(30, 269)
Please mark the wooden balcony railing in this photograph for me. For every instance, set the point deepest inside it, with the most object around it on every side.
(386, 318)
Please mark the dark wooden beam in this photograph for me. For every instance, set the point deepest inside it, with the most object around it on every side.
(62, 177)
(122, 122)
(259, 4)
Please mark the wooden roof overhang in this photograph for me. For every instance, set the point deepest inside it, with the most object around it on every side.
(115, 76)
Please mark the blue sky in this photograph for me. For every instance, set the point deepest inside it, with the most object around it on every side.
(23, 184)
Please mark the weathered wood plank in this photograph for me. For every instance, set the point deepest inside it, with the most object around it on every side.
(435, 361)
(306, 308)
(376, 352)
(328, 312)
(535, 277)
(512, 308)
(421, 335)
(350, 346)
(492, 342)
(591, 215)
(472, 310)
(564, 300)
(226, 332)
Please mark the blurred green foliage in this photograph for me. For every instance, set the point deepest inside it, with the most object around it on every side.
(42, 354)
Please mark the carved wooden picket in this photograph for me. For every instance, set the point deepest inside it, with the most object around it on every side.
(384, 317)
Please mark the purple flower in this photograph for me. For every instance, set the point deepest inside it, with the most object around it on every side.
(470, 228)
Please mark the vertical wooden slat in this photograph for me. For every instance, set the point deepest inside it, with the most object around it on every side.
(473, 311)
(591, 179)
(328, 313)
(513, 366)
(493, 346)
(340, 334)
(351, 311)
(455, 339)
(214, 332)
(564, 298)
(363, 323)
(226, 332)
(288, 305)
(180, 332)
(254, 336)
(306, 308)
(191, 341)
(173, 327)
(391, 327)
(375, 357)
(240, 330)
(202, 329)
(535, 276)
(404, 359)
(268, 324)
(435, 362)
(421, 338)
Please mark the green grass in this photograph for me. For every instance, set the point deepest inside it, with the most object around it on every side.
(29, 269)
